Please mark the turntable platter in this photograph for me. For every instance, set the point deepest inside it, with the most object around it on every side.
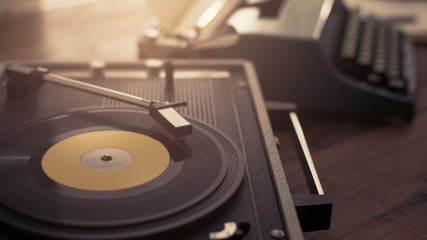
(56, 175)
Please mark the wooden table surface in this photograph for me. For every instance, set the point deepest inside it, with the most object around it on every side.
(374, 170)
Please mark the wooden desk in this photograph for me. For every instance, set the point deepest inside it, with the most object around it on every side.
(375, 171)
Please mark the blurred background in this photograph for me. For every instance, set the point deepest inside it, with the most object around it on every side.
(106, 29)
(76, 28)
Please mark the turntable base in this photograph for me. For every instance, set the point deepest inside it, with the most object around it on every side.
(76, 165)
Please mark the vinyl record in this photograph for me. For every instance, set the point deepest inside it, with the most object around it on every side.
(203, 171)
(105, 160)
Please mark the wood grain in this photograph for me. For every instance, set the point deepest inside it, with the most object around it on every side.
(375, 171)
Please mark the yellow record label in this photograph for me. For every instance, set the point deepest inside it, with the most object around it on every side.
(105, 160)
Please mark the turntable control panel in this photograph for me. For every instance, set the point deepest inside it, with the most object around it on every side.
(154, 149)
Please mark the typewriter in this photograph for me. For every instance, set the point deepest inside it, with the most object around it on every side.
(316, 53)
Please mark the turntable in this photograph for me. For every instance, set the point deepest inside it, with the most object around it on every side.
(193, 158)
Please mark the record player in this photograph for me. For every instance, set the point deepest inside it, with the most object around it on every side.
(154, 149)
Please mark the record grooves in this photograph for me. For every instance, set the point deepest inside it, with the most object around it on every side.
(205, 170)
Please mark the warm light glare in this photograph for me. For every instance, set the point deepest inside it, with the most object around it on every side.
(210, 14)
(55, 4)
(323, 16)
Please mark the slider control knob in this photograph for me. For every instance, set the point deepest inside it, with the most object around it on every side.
(231, 231)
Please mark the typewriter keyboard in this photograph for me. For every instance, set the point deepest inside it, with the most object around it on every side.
(371, 51)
